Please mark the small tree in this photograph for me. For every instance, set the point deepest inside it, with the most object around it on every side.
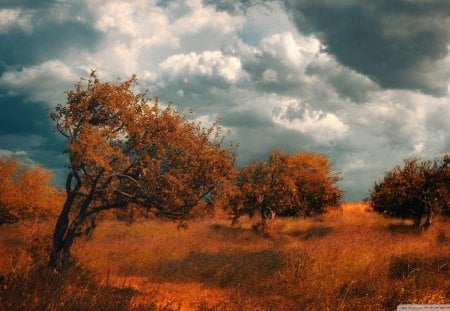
(301, 184)
(125, 150)
(419, 188)
(25, 191)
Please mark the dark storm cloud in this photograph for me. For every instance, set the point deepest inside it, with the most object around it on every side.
(40, 31)
(246, 119)
(27, 4)
(46, 35)
(26, 126)
(22, 118)
(344, 81)
(395, 43)
(47, 41)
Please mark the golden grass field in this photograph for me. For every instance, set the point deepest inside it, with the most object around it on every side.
(348, 259)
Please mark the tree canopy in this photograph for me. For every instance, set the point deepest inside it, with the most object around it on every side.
(26, 192)
(417, 189)
(124, 148)
(299, 184)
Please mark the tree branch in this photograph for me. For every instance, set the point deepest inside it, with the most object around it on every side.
(125, 194)
(134, 181)
(100, 208)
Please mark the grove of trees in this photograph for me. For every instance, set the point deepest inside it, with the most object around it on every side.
(124, 149)
(127, 152)
(299, 184)
(416, 190)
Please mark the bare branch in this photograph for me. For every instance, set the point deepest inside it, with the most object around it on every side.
(134, 181)
(125, 194)
(62, 131)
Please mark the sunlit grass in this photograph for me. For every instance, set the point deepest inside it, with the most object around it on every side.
(347, 259)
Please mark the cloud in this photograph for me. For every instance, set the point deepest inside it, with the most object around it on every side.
(43, 83)
(40, 33)
(230, 6)
(277, 63)
(27, 4)
(207, 64)
(356, 80)
(400, 44)
(14, 18)
(347, 83)
(295, 65)
(9, 153)
(326, 128)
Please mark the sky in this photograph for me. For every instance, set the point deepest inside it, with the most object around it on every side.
(365, 82)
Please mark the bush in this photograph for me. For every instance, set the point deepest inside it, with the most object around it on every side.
(301, 184)
(25, 191)
(417, 189)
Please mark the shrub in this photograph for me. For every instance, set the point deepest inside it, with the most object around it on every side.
(417, 189)
(300, 184)
(25, 191)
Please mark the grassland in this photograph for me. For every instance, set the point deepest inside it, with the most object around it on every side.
(347, 259)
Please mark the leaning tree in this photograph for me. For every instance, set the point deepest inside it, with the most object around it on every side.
(124, 149)
(416, 190)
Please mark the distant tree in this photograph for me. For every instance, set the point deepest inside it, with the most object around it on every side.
(418, 189)
(25, 192)
(301, 184)
(125, 150)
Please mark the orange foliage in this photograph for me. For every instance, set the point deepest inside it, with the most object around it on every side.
(287, 185)
(125, 150)
(419, 188)
(25, 190)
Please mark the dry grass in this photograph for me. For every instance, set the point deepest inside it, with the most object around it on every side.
(347, 259)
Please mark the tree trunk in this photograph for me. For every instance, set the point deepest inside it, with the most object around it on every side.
(60, 258)
(266, 214)
(417, 221)
(427, 222)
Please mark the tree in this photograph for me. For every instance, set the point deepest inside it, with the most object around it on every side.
(125, 150)
(25, 191)
(301, 184)
(418, 189)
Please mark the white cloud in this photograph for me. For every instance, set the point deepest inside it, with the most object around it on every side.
(45, 82)
(270, 75)
(207, 63)
(326, 128)
(10, 153)
(205, 18)
(287, 50)
(14, 17)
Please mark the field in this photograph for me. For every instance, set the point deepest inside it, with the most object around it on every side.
(347, 259)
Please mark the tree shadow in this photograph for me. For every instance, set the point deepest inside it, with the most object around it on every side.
(317, 232)
(239, 235)
(227, 231)
(245, 270)
(305, 232)
(403, 228)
